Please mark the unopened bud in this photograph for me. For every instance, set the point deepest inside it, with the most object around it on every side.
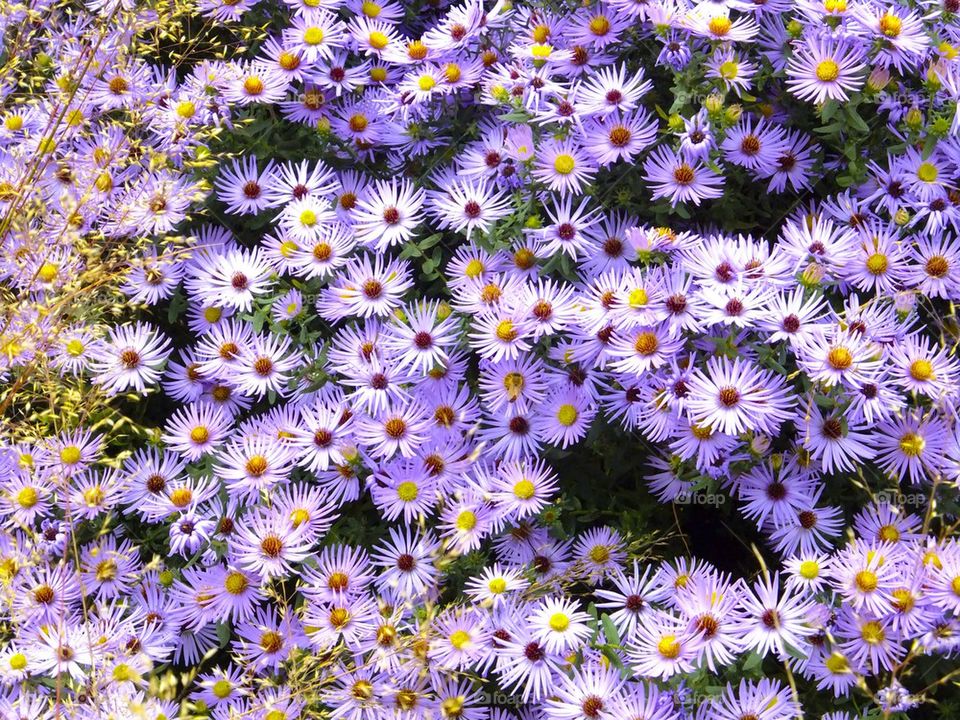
(812, 275)
(714, 103)
(878, 79)
(914, 119)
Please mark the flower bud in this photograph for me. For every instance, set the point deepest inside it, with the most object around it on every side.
(714, 103)
(878, 79)
(812, 275)
(733, 113)
(914, 119)
(760, 444)
(904, 302)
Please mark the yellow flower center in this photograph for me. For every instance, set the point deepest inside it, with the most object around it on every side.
(638, 297)
(70, 455)
(299, 516)
(903, 600)
(452, 707)
(719, 26)
(47, 272)
(426, 83)
(474, 268)
(890, 25)
(559, 622)
(837, 664)
(104, 182)
(701, 432)
(222, 689)
(123, 673)
(236, 583)
(505, 331)
(288, 61)
(921, 370)
(407, 491)
(253, 85)
(94, 496)
(866, 581)
(564, 164)
(513, 383)
(497, 586)
(840, 358)
(452, 72)
(729, 70)
(106, 570)
(466, 520)
(370, 9)
(186, 109)
(927, 172)
(313, 36)
(460, 639)
(27, 497)
(872, 632)
(827, 71)
(599, 554)
(912, 444)
(599, 25)
(212, 314)
(646, 343)
(378, 41)
(668, 647)
(877, 264)
(541, 52)
(809, 569)
(524, 489)
(271, 642)
(889, 533)
(358, 122)
(18, 661)
(181, 497)
(567, 415)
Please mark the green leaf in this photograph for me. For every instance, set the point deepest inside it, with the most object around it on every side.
(610, 630)
(753, 662)
(223, 634)
(431, 241)
(857, 121)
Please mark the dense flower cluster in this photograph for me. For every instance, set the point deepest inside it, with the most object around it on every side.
(340, 285)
